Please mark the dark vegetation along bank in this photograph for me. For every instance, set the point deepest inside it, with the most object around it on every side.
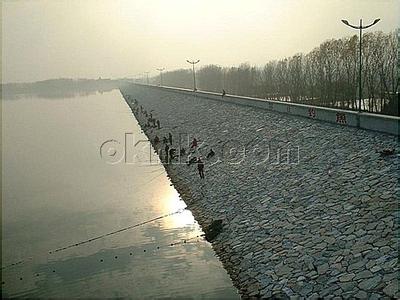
(326, 76)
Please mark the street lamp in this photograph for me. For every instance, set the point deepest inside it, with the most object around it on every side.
(161, 70)
(361, 27)
(147, 77)
(194, 74)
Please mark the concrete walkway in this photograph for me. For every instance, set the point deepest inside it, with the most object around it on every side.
(321, 221)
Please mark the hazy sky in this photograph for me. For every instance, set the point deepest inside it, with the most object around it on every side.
(92, 38)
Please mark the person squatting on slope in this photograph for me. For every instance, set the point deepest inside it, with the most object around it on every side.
(210, 154)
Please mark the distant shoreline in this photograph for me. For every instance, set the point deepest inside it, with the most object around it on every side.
(59, 88)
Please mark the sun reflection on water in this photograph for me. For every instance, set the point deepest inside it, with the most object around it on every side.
(172, 202)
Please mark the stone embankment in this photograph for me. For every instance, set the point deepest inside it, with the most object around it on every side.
(309, 209)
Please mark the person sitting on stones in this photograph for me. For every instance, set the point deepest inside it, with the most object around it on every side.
(210, 154)
(156, 140)
(191, 160)
(165, 140)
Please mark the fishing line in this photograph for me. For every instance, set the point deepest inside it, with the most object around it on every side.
(99, 237)
(116, 231)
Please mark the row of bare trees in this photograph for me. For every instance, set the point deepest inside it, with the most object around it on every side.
(327, 76)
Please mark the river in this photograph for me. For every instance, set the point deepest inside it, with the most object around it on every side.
(79, 220)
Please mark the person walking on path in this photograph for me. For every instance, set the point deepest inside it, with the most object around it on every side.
(200, 167)
(170, 138)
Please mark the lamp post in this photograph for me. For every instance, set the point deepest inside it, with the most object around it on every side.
(161, 70)
(194, 74)
(360, 27)
(147, 77)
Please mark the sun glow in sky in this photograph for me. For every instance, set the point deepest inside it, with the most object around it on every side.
(117, 38)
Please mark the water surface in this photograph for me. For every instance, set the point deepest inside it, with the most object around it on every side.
(59, 194)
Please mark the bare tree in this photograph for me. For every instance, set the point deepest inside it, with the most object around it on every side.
(326, 76)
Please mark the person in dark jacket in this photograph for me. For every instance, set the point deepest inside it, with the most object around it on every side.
(170, 138)
(210, 154)
(172, 152)
(200, 167)
(166, 154)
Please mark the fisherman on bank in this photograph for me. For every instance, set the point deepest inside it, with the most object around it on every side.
(166, 153)
(210, 154)
(200, 167)
(170, 138)
(194, 143)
